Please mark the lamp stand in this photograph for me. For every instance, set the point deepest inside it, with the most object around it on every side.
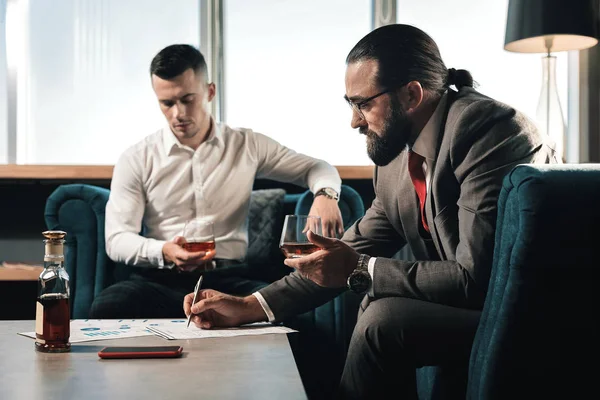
(549, 111)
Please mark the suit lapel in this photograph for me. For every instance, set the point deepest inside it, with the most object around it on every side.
(431, 208)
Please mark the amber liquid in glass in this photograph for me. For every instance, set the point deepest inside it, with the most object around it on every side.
(56, 324)
(208, 247)
(297, 250)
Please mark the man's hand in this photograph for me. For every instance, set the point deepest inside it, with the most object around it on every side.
(328, 267)
(216, 309)
(184, 260)
(331, 216)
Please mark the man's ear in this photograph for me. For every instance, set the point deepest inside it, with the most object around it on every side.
(212, 90)
(413, 95)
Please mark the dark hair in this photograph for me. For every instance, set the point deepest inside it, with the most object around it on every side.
(175, 59)
(404, 54)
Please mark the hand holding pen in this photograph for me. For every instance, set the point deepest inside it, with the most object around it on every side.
(196, 290)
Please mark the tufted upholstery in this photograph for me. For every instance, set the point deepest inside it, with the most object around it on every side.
(265, 218)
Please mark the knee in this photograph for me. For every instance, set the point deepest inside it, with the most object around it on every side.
(100, 310)
(384, 324)
(373, 332)
(113, 302)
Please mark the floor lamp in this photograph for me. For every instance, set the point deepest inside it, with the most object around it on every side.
(546, 26)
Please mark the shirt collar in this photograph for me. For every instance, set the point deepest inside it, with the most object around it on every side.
(426, 142)
(170, 140)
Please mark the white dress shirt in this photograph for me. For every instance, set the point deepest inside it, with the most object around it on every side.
(161, 183)
(425, 145)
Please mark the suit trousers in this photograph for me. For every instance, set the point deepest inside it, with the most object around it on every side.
(394, 336)
(159, 293)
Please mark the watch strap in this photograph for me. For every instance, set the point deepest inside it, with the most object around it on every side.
(328, 192)
(361, 270)
(363, 262)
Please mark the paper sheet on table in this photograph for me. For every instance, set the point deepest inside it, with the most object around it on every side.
(86, 330)
(172, 332)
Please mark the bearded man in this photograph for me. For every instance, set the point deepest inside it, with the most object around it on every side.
(441, 150)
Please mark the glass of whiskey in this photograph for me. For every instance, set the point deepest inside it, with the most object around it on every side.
(294, 243)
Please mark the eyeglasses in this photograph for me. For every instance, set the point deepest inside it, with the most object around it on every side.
(359, 105)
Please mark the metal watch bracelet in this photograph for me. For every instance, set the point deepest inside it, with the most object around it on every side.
(363, 262)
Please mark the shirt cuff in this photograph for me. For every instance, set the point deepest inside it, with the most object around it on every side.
(330, 183)
(265, 306)
(154, 253)
(371, 269)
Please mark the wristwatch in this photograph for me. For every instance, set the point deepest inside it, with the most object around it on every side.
(329, 192)
(359, 280)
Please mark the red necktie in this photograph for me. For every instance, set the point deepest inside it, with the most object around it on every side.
(415, 168)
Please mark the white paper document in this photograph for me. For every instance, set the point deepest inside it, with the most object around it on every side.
(87, 330)
(181, 332)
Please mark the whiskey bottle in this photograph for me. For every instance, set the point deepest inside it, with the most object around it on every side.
(52, 317)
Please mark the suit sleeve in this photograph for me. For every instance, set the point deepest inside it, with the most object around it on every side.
(487, 145)
(373, 234)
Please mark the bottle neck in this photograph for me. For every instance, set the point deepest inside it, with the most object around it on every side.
(54, 262)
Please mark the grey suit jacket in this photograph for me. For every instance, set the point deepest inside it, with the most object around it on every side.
(480, 142)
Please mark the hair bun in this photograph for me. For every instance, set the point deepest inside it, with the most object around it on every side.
(451, 76)
(459, 78)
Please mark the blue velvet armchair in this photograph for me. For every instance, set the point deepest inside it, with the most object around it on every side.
(539, 335)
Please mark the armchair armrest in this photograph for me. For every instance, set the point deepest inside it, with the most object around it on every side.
(350, 203)
(78, 209)
(537, 329)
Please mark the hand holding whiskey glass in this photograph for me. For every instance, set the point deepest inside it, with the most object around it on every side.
(294, 243)
(199, 235)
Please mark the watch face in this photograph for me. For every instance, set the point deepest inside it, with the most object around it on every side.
(359, 281)
(330, 192)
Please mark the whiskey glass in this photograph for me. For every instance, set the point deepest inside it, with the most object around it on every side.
(199, 234)
(293, 242)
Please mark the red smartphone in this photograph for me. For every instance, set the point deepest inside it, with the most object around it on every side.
(140, 352)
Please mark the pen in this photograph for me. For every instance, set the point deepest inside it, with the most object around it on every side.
(196, 290)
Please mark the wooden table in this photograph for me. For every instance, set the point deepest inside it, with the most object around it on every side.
(243, 367)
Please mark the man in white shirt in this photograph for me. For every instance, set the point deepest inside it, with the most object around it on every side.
(194, 168)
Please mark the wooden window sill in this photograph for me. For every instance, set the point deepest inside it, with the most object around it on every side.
(104, 172)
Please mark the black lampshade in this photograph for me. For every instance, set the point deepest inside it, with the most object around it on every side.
(533, 25)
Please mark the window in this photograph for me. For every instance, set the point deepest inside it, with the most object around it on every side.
(3, 87)
(475, 41)
(284, 73)
(83, 86)
(83, 92)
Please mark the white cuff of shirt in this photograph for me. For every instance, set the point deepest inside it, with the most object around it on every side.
(265, 306)
(271, 316)
(371, 269)
(154, 253)
(324, 183)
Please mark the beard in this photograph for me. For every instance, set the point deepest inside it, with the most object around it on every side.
(386, 146)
